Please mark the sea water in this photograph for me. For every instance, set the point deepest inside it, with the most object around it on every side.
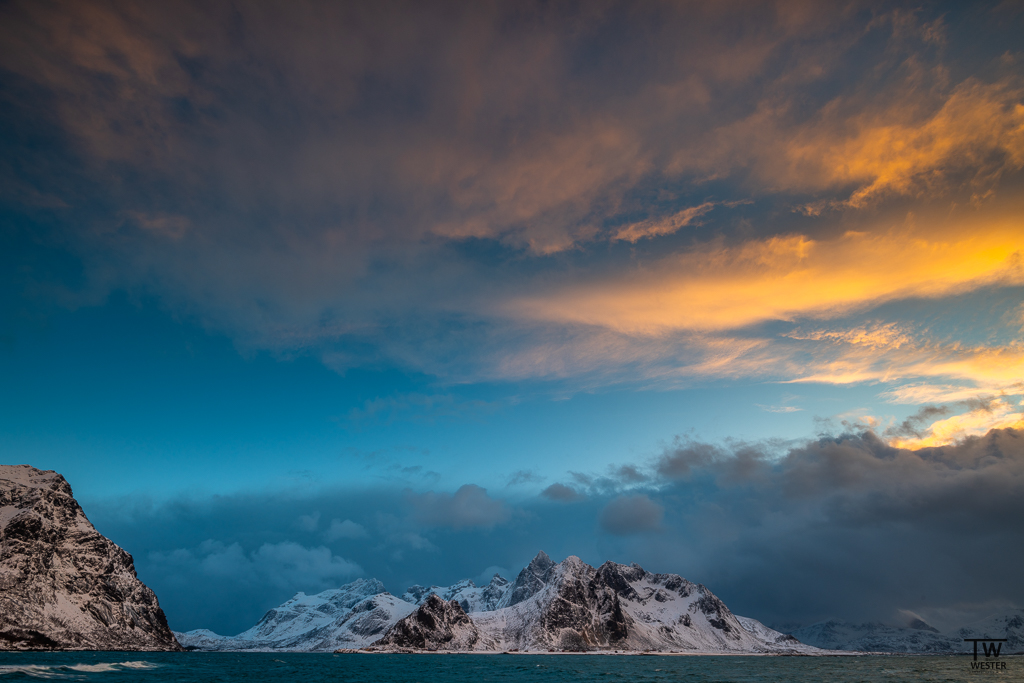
(252, 667)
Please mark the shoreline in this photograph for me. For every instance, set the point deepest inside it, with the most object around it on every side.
(361, 651)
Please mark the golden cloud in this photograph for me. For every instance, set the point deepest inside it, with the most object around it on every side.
(715, 287)
(980, 127)
(999, 414)
(902, 141)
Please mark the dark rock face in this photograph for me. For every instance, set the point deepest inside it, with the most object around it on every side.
(435, 625)
(531, 580)
(62, 584)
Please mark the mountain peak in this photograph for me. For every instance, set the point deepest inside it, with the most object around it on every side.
(541, 560)
(530, 581)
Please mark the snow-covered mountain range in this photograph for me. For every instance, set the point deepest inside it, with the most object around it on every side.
(550, 606)
(62, 584)
(568, 606)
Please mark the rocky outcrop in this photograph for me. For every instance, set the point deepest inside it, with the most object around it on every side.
(62, 584)
(435, 625)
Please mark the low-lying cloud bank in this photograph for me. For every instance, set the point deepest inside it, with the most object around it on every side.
(844, 526)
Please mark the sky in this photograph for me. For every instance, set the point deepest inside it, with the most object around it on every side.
(297, 293)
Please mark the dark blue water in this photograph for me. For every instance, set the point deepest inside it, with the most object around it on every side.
(313, 668)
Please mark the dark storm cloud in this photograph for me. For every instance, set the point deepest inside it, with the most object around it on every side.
(851, 526)
(469, 506)
(842, 527)
(626, 515)
(562, 493)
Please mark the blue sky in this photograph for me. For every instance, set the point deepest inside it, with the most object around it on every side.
(297, 293)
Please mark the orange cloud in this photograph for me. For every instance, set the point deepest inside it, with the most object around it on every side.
(714, 287)
(979, 128)
(904, 140)
(998, 414)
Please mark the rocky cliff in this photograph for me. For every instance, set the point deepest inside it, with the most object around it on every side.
(62, 584)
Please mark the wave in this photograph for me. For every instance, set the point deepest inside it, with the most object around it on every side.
(71, 670)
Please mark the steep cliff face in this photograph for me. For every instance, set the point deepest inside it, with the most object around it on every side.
(62, 584)
(435, 625)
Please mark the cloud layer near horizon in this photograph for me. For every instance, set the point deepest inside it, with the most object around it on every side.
(842, 526)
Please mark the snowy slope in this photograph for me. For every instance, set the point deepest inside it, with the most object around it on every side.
(352, 616)
(62, 584)
(768, 635)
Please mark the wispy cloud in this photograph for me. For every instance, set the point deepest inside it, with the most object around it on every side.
(657, 227)
(779, 409)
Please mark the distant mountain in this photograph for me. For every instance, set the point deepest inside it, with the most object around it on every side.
(1009, 626)
(62, 584)
(837, 634)
(550, 606)
(918, 637)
